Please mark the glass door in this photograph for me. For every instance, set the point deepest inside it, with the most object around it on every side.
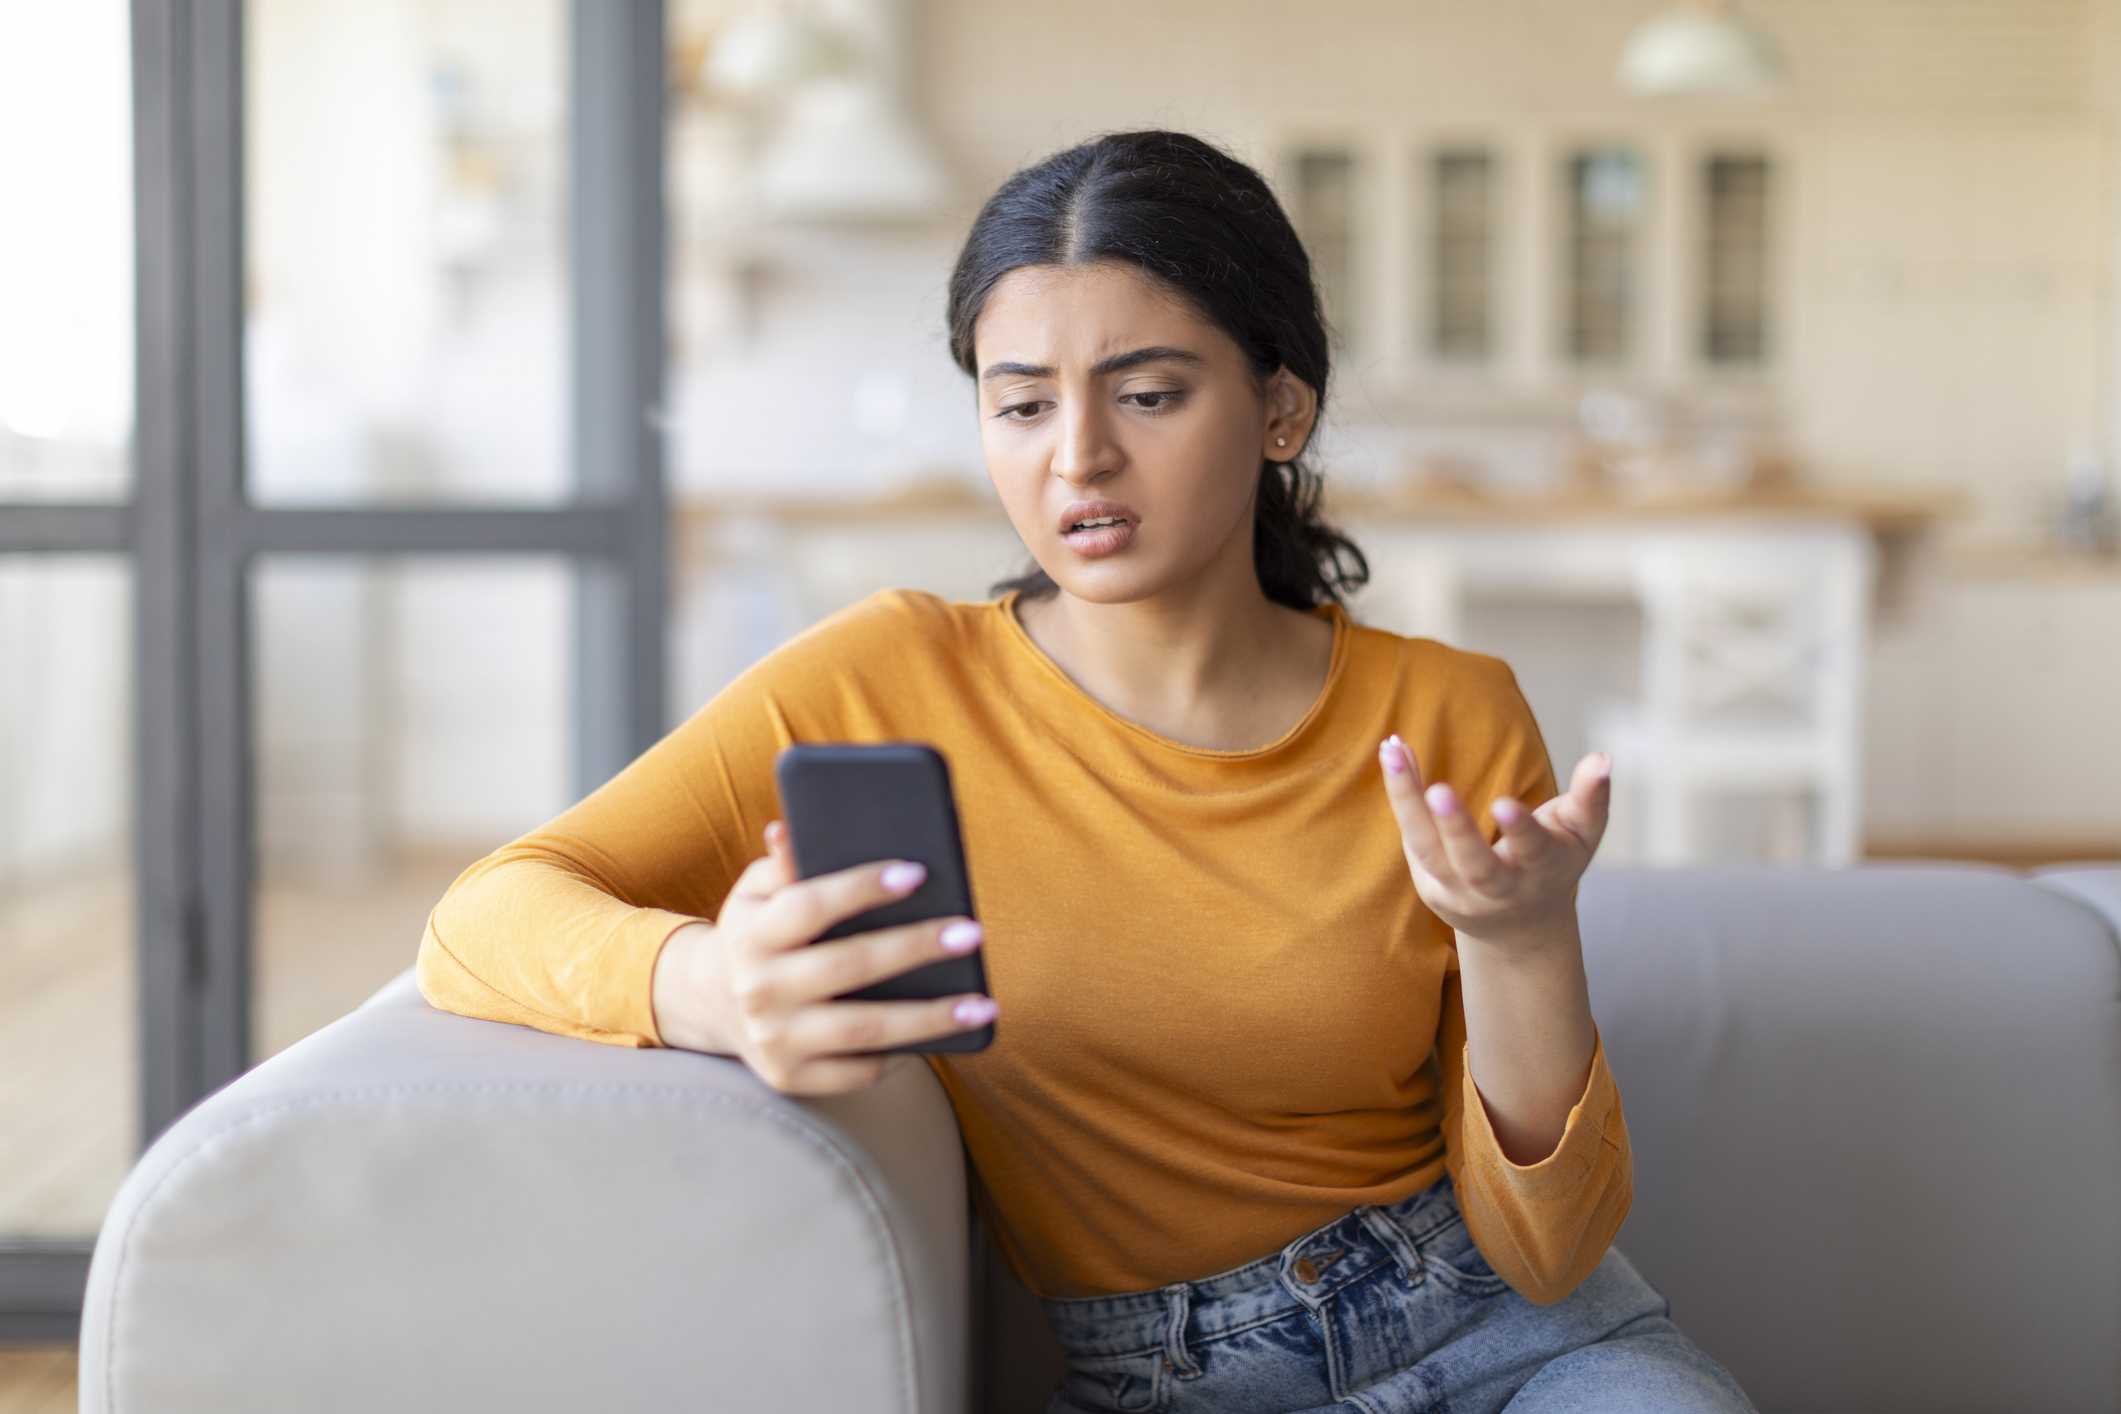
(405, 346)
(68, 1063)
(331, 523)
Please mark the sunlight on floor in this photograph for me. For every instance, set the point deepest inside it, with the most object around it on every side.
(66, 1051)
(38, 1380)
(324, 948)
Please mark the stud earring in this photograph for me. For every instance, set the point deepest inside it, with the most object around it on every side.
(1281, 441)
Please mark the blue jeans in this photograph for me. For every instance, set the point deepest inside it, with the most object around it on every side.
(1386, 1311)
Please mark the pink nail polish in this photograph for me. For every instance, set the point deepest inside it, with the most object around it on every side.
(1507, 812)
(903, 877)
(1392, 756)
(962, 936)
(974, 1011)
(1442, 800)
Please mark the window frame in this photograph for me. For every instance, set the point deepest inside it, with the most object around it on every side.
(192, 536)
(1774, 257)
(1573, 232)
(1430, 162)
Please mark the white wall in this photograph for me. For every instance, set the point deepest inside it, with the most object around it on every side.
(1996, 709)
(1950, 328)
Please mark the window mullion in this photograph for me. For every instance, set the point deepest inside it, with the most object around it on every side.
(616, 97)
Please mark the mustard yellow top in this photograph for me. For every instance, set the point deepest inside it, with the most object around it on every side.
(1226, 1018)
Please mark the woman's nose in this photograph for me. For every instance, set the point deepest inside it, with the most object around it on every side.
(1086, 449)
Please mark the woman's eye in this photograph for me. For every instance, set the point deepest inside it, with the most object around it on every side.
(1022, 412)
(1151, 401)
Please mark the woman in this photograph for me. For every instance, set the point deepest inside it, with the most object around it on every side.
(1295, 1100)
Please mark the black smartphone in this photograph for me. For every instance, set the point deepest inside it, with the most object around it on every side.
(851, 805)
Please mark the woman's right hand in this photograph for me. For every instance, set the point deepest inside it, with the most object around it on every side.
(753, 986)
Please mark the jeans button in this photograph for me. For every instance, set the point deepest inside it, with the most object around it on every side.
(1306, 1270)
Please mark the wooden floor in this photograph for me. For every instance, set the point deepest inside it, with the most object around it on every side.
(67, 1070)
(324, 948)
(66, 1052)
(37, 1381)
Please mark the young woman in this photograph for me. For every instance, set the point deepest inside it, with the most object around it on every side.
(1296, 1101)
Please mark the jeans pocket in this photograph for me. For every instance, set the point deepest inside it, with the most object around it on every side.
(1456, 1261)
(1120, 1384)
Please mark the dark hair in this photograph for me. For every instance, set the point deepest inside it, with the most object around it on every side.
(1205, 226)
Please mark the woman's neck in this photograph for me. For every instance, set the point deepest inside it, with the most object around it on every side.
(1215, 665)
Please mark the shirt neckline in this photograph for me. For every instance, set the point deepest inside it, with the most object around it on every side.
(1335, 669)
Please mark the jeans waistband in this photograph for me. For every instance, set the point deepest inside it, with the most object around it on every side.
(1302, 1275)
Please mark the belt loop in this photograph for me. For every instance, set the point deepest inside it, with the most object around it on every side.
(1404, 1252)
(1179, 1299)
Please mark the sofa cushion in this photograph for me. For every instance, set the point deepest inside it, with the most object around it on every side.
(1877, 1125)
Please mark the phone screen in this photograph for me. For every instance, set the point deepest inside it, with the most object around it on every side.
(848, 805)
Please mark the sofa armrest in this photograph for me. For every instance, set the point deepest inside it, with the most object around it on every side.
(2096, 886)
(416, 1211)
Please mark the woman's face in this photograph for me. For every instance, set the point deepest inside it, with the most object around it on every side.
(1123, 431)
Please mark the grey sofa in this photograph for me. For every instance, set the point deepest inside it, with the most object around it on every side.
(1877, 1125)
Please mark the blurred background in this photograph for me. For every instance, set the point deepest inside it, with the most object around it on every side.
(1745, 376)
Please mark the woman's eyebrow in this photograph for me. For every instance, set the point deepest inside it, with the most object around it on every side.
(1155, 353)
(1016, 370)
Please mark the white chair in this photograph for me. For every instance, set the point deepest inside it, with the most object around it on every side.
(1752, 690)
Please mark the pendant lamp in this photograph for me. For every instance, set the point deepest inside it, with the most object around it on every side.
(772, 51)
(844, 146)
(846, 152)
(1700, 48)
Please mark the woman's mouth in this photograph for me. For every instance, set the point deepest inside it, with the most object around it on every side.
(1094, 531)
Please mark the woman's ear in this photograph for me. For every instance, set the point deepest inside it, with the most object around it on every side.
(1292, 409)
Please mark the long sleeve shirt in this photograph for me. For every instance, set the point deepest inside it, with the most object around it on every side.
(1226, 1017)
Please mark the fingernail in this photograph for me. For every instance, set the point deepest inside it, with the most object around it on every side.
(903, 877)
(1605, 767)
(974, 1011)
(1442, 800)
(962, 936)
(1507, 812)
(1392, 756)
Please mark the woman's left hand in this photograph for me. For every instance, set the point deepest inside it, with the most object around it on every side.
(1530, 1039)
(1520, 892)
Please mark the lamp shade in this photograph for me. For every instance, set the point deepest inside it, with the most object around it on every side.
(772, 52)
(846, 152)
(1699, 48)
